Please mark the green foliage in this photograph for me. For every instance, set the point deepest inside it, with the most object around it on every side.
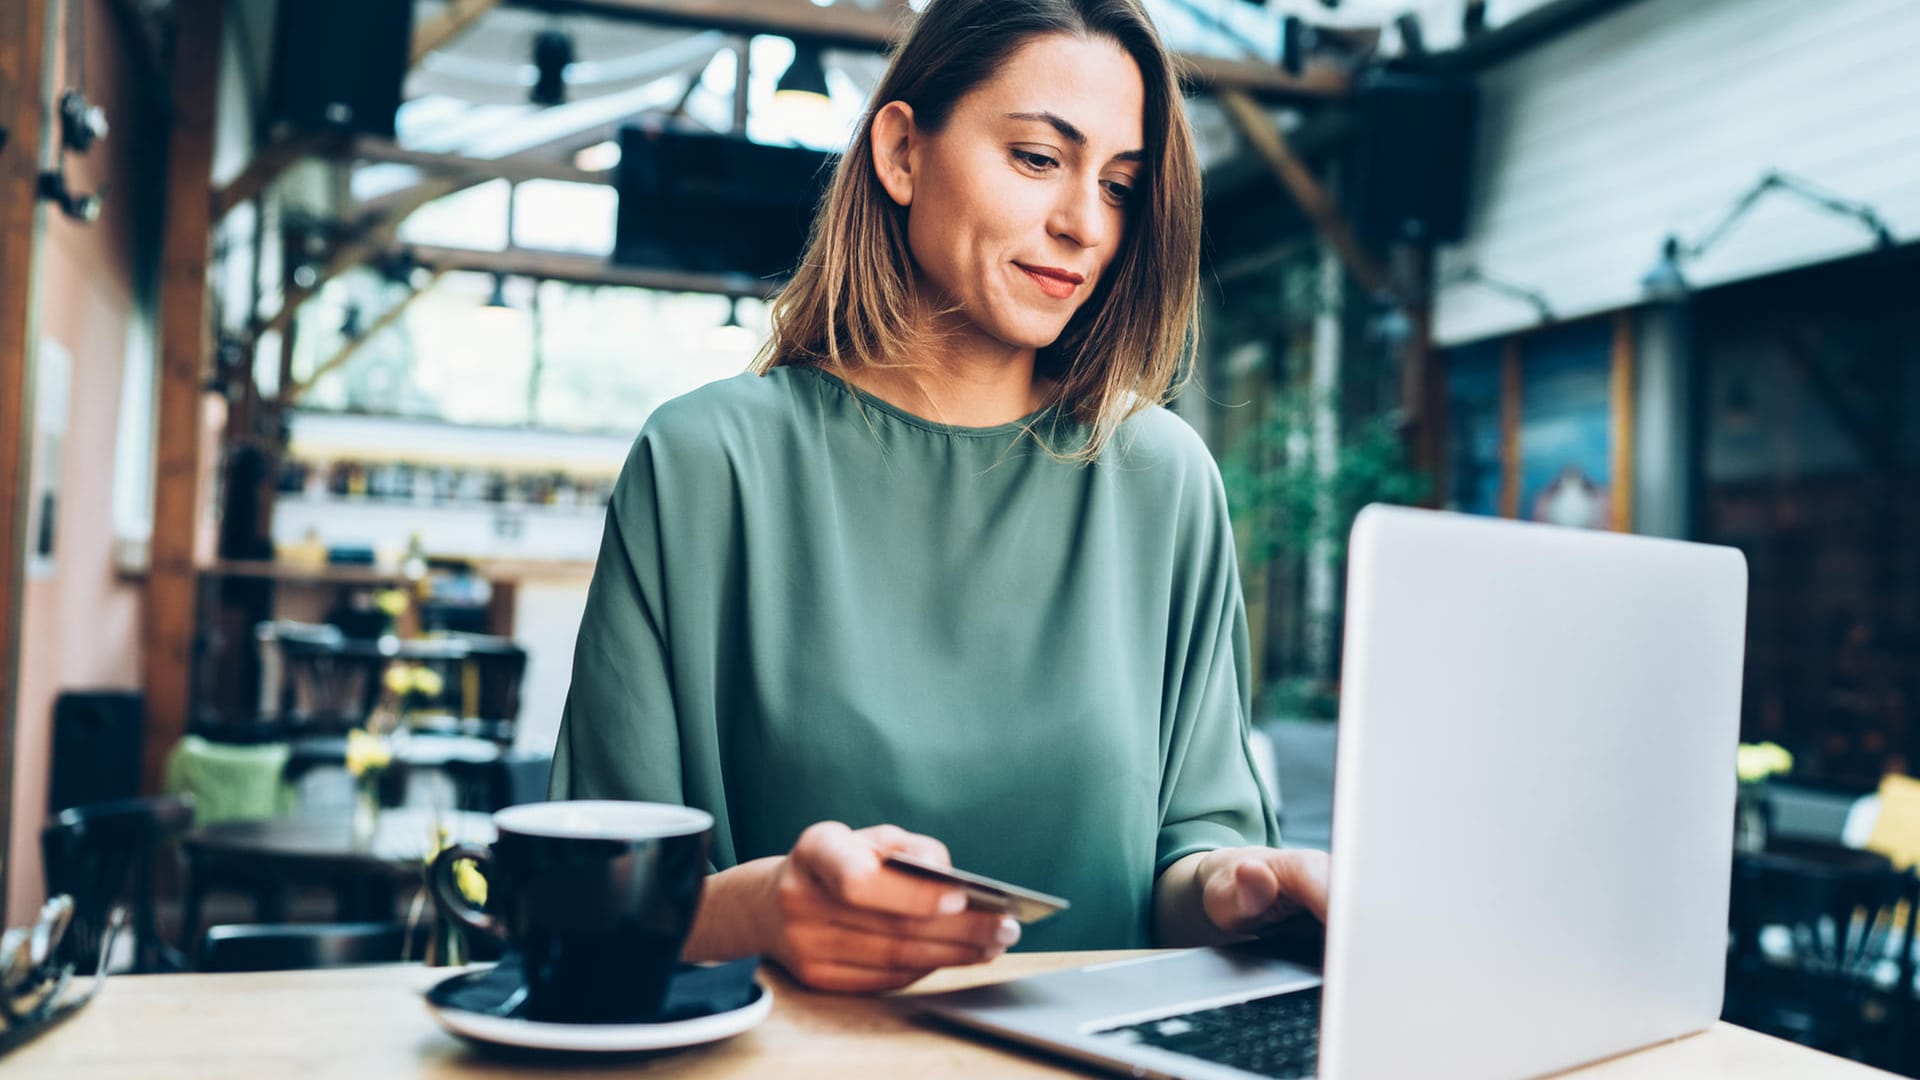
(1281, 501)
(1299, 697)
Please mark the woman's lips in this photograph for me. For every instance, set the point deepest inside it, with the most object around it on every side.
(1057, 287)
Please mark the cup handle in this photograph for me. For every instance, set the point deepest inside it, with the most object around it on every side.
(446, 895)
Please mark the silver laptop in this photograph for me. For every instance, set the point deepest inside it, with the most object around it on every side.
(1533, 820)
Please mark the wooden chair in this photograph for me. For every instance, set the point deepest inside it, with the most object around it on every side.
(482, 674)
(294, 946)
(102, 854)
(1847, 985)
(328, 683)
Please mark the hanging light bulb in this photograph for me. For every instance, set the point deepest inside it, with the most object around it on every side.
(732, 335)
(805, 80)
(802, 102)
(503, 319)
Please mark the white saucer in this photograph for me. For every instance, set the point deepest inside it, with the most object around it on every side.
(604, 1038)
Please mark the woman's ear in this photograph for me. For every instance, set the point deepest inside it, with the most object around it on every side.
(893, 137)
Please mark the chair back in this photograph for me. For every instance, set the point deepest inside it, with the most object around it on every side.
(295, 946)
(102, 854)
(1851, 932)
(482, 675)
(96, 747)
(485, 682)
(326, 681)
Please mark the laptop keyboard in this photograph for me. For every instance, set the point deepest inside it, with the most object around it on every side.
(1275, 1036)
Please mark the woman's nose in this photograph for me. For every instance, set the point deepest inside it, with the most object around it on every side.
(1078, 216)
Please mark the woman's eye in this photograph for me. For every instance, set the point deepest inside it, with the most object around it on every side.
(1120, 192)
(1033, 160)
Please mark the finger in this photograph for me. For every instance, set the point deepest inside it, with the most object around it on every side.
(891, 838)
(1303, 878)
(1236, 904)
(848, 868)
(840, 978)
(809, 902)
(979, 929)
(859, 948)
(1256, 886)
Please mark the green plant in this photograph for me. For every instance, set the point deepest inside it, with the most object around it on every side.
(1284, 502)
(1299, 697)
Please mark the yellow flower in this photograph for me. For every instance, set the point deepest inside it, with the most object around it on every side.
(466, 876)
(398, 679)
(427, 682)
(471, 882)
(366, 752)
(1757, 761)
(391, 601)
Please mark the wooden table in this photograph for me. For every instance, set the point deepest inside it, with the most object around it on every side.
(370, 1022)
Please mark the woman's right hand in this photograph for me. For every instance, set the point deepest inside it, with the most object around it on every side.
(839, 920)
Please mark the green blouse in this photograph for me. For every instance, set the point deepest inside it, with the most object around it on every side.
(812, 605)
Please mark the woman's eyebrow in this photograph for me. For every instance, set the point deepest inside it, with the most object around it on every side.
(1073, 134)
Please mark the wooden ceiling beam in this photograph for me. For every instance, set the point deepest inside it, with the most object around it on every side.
(859, 28)
(514, 167)
(837, 25)
(1320, 81)
(1314, 201)
(448, 25)
(267, 165)
(586, 270)
(371, 242)
(457, 173)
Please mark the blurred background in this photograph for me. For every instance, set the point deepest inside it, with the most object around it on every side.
(325, 329)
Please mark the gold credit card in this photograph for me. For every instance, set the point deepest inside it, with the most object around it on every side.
(983, 893)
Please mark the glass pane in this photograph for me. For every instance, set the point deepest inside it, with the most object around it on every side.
(474, 362)
(449, 357)
(475, 218)
(555, 215)
(610, 356)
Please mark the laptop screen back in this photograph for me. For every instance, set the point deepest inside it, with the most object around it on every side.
(1533, 800)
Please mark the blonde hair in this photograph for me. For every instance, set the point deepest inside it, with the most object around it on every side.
(851, 302)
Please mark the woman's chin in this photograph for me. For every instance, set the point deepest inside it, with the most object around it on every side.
(1030, 333)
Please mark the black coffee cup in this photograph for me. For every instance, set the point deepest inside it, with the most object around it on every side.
(596, 897)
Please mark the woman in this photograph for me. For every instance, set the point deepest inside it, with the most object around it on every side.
(939, 573)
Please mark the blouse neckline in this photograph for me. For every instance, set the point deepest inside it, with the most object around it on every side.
(1025, 423)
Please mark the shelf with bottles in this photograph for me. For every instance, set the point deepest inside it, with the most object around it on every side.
(436, 485)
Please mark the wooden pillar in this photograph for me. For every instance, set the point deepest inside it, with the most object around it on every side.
(23, 60)
(1423, 375)
(185, 344)
(1512, 385)
(1622, 394)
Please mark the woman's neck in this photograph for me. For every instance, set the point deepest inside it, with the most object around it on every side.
(968, 379)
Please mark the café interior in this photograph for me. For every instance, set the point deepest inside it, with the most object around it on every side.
(328, 329)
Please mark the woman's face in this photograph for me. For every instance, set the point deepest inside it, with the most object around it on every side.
(1017, 206)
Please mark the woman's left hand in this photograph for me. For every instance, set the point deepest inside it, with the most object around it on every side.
(1246, 888)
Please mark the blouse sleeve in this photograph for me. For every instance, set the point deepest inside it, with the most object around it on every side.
(619, 734)
(1210, 796)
